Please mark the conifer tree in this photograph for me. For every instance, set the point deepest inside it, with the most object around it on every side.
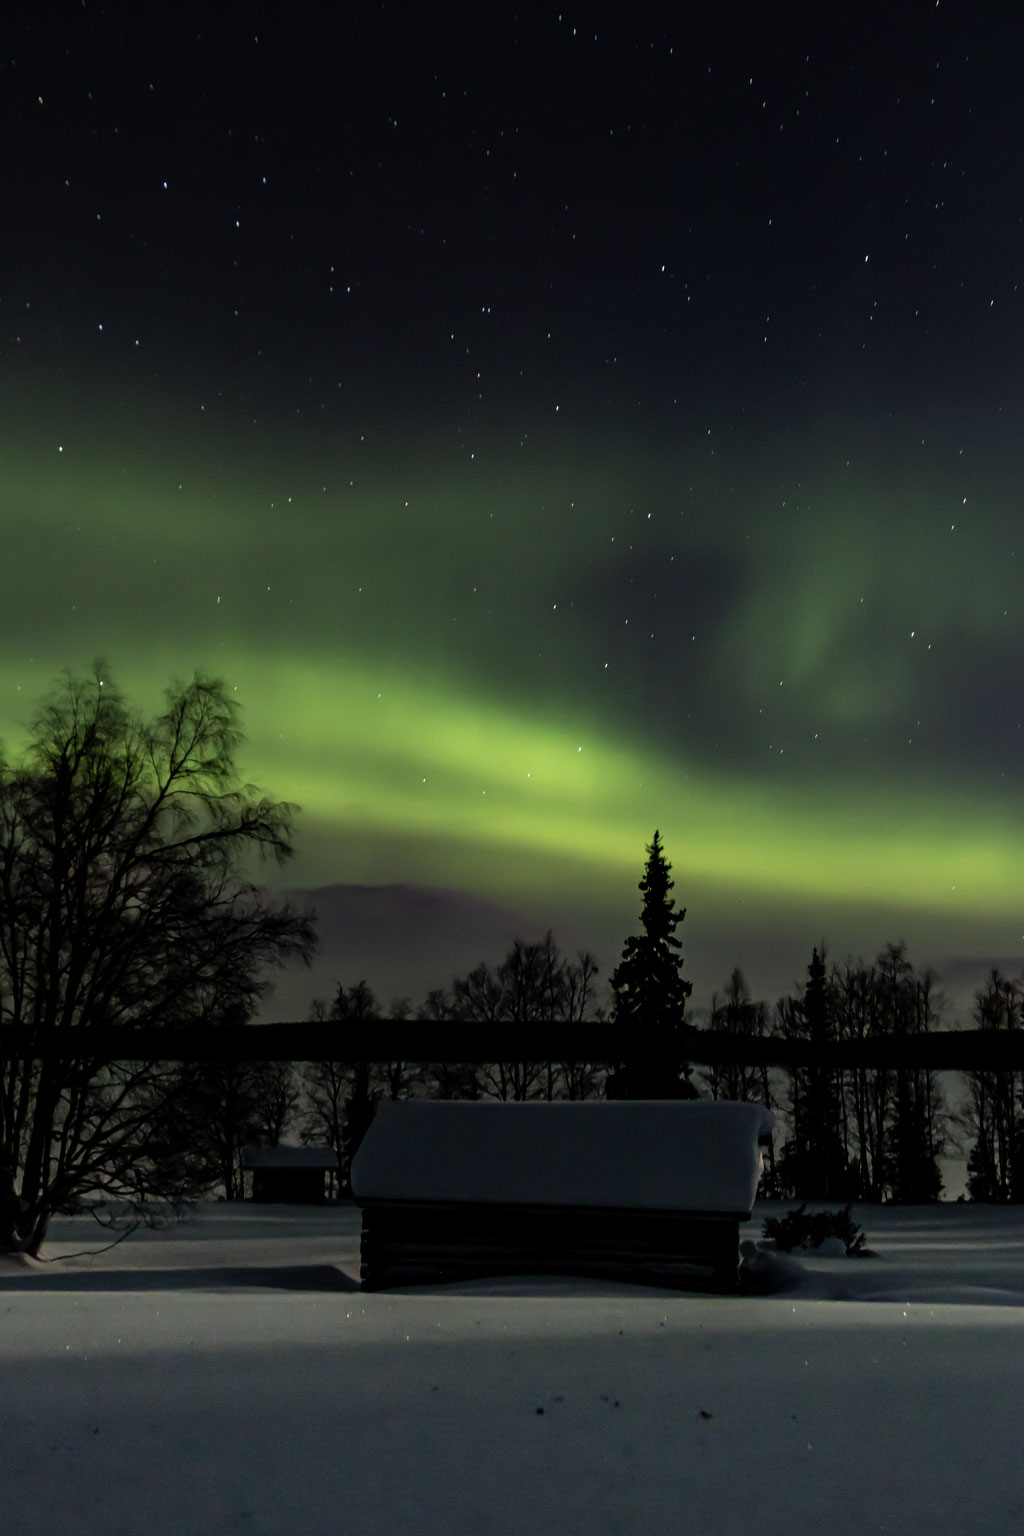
(813, 1162)
(650, 993)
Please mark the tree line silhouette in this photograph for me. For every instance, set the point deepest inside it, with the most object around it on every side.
(850, 1132)
(125, 901)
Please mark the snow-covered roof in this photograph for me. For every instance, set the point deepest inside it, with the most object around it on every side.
(651, 1155)
(289, 1157)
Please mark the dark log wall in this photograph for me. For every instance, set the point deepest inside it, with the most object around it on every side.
(422, 1243)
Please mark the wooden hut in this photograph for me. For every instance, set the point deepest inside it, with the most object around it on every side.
(650, 1191)
(289, 1175)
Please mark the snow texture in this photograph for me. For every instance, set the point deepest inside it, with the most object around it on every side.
(653, 1155)
(227, 1376)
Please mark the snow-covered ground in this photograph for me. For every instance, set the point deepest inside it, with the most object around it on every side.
(226, 1375)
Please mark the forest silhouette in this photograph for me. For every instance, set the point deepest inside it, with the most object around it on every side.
(859, 1129)
(134, 948)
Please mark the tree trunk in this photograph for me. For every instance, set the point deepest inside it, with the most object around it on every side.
(37, 1236)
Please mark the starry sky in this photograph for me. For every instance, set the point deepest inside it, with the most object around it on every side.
(554, 424)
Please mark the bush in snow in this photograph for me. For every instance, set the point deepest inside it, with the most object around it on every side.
(810, 1229)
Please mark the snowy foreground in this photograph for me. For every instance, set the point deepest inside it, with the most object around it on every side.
(226, 1375)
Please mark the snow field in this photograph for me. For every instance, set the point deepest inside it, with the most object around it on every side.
(207, 1380)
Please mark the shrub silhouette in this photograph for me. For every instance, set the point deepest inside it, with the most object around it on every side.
(803, 1229)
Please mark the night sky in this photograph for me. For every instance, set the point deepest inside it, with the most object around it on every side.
(555, 424)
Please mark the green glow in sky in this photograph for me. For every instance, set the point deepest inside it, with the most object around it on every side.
(553, 433)
(439, 669)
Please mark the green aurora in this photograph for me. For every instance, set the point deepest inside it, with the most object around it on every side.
(553, 427)
(427, 666)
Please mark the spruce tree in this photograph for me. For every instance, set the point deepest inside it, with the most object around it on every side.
(650, 994)
(813, 1161)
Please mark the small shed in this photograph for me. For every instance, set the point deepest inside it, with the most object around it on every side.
(636, 1190)
(289, 1175)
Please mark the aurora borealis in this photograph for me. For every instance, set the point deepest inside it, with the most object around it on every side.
(555, 427)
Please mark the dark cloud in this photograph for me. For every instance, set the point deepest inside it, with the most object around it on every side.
(403, 940)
